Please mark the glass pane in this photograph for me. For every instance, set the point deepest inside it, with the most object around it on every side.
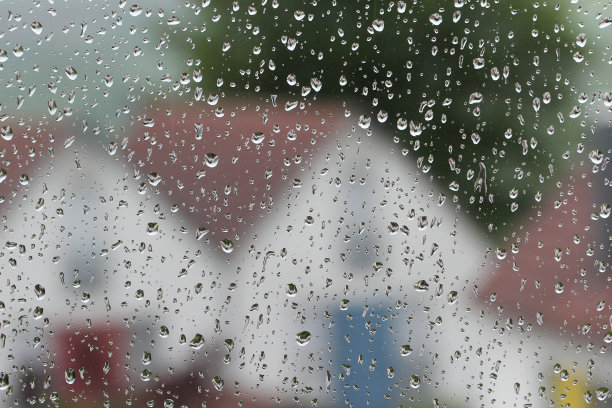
(325, 203)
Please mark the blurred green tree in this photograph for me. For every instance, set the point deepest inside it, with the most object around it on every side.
(479, 92)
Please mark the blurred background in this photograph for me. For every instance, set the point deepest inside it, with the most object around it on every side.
(325, 203)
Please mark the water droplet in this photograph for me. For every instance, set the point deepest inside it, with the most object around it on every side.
(476, 97)
(421, 286)
(154, 178)
(581, 39)
(200, 232)
(146, 358)
(71, 73)
(415, 129)
(4, 381)
(596, 156)
(258, 137)
(478, 63)
(70, 376)
(415, 381)
(24, 179)
(364, 121)
(36, 27)
(435, 19)
(378, 25)
(586, 328)
(152, 228)
(405, 350)
(299, 15)
(6, 132)
(197, 342)
(218, 383)
(302, 338)
(227, 245)
(145, 375)
(163, 332)
(211, 159)
(174, 20)
(291, 290)
(40, 291)
(316, 84)
(382, 116)
(135, 10)
(290, 105)
(601, 393)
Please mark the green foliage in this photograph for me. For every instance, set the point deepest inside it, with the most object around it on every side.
(424, 73)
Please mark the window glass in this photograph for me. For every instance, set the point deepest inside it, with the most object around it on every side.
(331, 203)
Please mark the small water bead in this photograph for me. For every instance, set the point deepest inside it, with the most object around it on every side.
(218, 383)
(258, 137)
(405, 350)
(601, 393)
(146, 358)
(163, 332)
(39, 291)
(6, 132)
(378, 25)
(226, 245)
(71, 73)
(421, 286)
(596, 156)
(364, 121)
(316, 84)
(36, 27)
(382, 116)
(197, 342)
(291, 290)
(435, 19)
(586, 328)
(70, 376)
(302, 338)
(299, 15)
(478, 63)
(211, 159)
(402, 124)
(201, 232)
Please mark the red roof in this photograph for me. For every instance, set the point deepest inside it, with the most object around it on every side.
(560, 244)
(227, 171)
